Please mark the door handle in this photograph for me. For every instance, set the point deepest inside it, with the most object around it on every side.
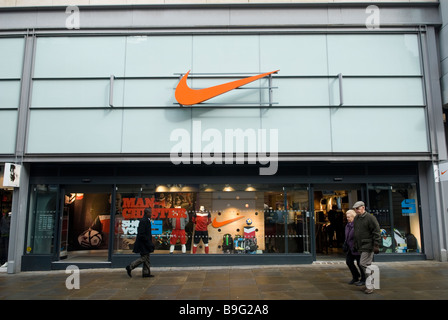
(111, 91)
(341, 90)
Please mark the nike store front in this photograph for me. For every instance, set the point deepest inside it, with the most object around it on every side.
(249, 130)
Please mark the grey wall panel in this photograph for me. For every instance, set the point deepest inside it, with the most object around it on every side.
(218, 16)
(70, 112)
(75, 131)
(8, 131)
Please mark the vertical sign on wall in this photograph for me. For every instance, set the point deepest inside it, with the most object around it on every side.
(11, 176)
(443, 169)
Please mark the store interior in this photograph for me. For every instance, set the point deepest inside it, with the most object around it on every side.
(330, 207)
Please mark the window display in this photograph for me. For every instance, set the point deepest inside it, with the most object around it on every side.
(209, 219)
(171, 217)
(216, 219)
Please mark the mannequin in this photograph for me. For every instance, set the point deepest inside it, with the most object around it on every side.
(178, 222)
(201, 220)
(250, 237)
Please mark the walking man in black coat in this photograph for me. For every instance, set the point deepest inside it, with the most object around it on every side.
(367, 237)
(143, 245)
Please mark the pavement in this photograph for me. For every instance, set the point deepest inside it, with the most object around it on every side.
(416, 280)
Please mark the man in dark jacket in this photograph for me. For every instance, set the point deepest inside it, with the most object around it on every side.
(367, 236)
(353, 255)
(143, 245)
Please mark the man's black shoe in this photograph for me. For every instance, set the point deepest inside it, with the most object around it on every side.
(128, 269)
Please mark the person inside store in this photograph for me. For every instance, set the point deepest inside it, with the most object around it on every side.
(336, 226)
(143, 245)
(367, 237)
(358, 275)
(330, 228)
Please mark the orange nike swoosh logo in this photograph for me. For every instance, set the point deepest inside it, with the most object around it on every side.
(187, 96)
(444, 171)
(217, 224)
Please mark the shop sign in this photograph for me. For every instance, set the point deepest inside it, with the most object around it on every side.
(186, 96)
(443, 169)
(133, 208)
(219, 224)
(156, 227)
(11, 175)
(130, 227)
(408, 207)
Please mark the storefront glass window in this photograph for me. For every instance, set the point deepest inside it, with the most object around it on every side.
(397, 211)
(42, 218)
(406, 218)
(11, 65)
(216, 218)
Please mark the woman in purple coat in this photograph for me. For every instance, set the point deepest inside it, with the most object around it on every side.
(352, 255)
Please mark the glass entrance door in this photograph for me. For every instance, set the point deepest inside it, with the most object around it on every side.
(297, 220)
(85, 223)
(331, 203)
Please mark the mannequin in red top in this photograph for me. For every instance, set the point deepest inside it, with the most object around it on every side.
(201, 220)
